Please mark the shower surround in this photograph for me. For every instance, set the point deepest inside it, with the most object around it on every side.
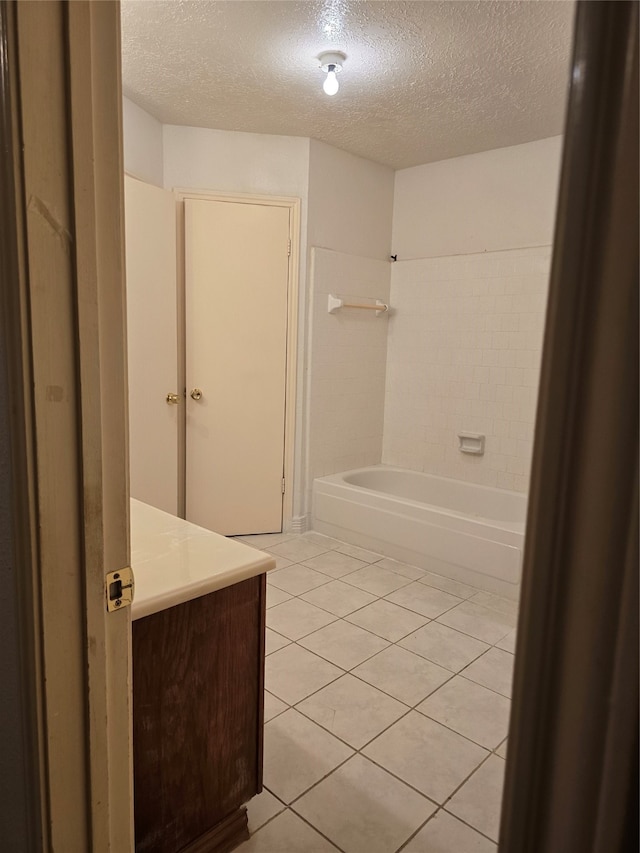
(464, 349)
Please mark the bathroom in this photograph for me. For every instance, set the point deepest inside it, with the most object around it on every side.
(357, 660)
(406, 423)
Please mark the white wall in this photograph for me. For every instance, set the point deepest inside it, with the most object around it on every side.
(199, 158)
(348, 364)
(350, 203)
(473, 235)
(500, 199)
(142, 140)
(350, 213)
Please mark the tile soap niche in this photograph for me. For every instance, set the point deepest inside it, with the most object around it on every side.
(471, 442)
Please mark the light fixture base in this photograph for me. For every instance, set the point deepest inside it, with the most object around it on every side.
(333, 58)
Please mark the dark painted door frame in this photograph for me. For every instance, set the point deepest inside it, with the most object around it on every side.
(572, 768)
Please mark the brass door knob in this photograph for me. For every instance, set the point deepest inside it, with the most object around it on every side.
(172, 399)
(196, 394)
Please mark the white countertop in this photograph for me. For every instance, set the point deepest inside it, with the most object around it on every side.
(174, 561)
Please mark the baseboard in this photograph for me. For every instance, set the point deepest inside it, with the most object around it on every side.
(298, 524)
(224, 836)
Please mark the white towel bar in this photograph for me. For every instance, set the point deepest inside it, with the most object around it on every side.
(335, 304)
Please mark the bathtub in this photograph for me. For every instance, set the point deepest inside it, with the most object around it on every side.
(470, 533)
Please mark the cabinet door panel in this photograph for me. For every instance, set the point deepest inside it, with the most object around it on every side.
(197, 714)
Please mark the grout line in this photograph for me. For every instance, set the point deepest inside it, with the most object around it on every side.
(359, 751)
(301, 817)
(342, 672)
(412, 707)
(473, 637)
(479, 684)
(442, 807)
(455, 732)
(350, 745)
(315, 829)
(482, 254)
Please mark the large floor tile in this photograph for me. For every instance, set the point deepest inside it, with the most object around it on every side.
(363, 809)
(425, 754)
(352, 710)
(293, 673)
(286, 834)
(272, 706)
(479, 622)
(493, 669)
(297, 579)
(297, 754)
(320, 539)
(344, 644)
(295, 618)
(423, 599)
(274, 641)
(502, 749)
(404, 675)
(471, 710)
(387, 620)
(407, 571)
(446, 834)
(276, 596)
(297, 550)
(461, 590)
(335, 564)
(358, 553)
(339, 598)
(508, 643)
(281, 563)
(262, 808)
(376, 580)
(496, 602)
(479, 800)
(444, 646)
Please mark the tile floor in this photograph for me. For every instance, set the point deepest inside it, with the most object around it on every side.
(386, 707)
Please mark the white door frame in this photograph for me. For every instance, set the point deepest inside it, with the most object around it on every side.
(71, 417)
(294, 205)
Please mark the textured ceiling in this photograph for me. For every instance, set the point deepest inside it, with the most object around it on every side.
(423, 81)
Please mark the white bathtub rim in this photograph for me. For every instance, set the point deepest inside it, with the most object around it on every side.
(371, 496)
(484, 553)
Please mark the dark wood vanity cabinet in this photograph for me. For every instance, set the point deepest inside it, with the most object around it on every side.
(198, 713)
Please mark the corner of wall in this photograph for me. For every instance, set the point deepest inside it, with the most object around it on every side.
(495, 200)
(143, 143)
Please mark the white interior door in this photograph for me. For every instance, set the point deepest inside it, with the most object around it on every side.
(236, 279)
(152, 329)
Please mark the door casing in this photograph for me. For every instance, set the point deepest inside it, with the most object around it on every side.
(68, 432)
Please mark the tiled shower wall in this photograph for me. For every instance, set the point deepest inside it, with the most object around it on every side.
(348, 364)
(464, 350)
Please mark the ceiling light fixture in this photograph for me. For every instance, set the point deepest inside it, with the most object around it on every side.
(331, 62)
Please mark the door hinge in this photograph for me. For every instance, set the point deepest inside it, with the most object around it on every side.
(283, 486)
(288, 248)
(119, 588)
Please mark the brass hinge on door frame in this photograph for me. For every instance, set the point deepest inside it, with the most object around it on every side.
(283, 486)
(119, 589)
(289, 248)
